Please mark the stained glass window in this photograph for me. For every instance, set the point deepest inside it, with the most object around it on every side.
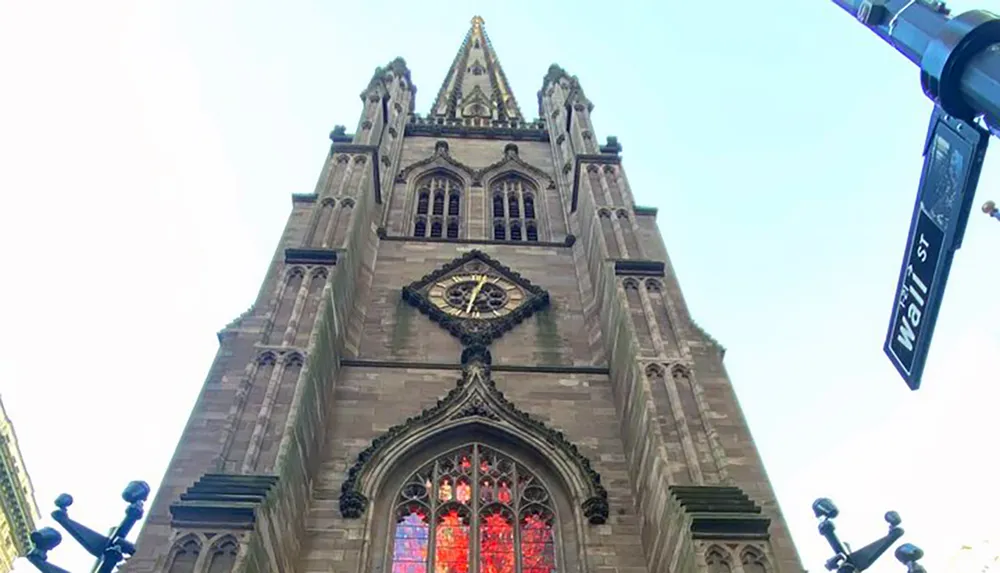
(474, 510)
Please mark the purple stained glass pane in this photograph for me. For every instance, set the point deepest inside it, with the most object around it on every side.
(409, 552)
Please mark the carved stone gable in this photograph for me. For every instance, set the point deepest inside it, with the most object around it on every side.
(483, 329)
(474, 400)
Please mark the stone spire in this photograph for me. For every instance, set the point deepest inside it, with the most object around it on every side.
(476, 85)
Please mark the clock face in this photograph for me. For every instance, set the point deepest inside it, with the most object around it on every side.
(480, 296)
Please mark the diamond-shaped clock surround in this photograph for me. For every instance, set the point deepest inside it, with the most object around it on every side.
(481, 331)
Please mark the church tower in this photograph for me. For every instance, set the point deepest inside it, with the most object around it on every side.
(470, 354)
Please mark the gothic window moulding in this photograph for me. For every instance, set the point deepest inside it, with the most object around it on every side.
(474, 510)
(437, 206)
(513, 206)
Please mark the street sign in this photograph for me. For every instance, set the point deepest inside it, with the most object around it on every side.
(953, 157)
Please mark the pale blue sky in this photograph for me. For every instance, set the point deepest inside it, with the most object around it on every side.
(149, 149)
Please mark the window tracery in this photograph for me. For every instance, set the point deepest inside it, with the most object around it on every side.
(223, 556)
(438, 210)
(514, 214)
(753, 561)
(185, 555)
(717, 560)
(474, 510)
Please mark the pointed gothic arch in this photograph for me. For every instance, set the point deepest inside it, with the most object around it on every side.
(437, 203)
(183, 556)
(267, 358)
(292, 359)
(222, 555)
(442, 161)
(753, 560)
(474, 407)
(513, 165)
(482, 506)
(718, 559)
(515, 205)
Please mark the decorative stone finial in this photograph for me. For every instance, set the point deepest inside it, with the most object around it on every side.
(612, 147)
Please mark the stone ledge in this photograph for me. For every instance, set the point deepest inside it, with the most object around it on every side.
(721, 512)
(507, 133)
(569, 241)
(647, 211)
(640, 267)
(227, 501)
(540, 369)
(310, 256)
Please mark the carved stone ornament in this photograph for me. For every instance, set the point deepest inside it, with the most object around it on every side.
(511, 161)
(476, 331)
(474, 399)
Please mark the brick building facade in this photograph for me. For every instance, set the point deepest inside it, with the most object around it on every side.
(470, 354)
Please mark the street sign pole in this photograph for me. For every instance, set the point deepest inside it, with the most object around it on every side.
(959, 60)
(953, 158)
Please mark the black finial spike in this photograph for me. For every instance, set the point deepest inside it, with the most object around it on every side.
(109, 549)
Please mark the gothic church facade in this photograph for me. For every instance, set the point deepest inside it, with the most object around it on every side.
(470, 354)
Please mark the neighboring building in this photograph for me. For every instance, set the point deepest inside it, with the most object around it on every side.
(17, 498)
(592, 426)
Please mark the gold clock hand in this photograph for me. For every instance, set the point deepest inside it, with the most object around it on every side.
(475, 293)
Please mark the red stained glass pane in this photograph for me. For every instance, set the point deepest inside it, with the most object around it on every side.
(409, 550)
(503, 492)
(463, 491)
(496, 544)
(464, 463)
(538, 552)
(451, 541)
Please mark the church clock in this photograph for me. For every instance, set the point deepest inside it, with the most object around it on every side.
(476, 296)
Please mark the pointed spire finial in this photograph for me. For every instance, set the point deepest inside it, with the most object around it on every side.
(476, 89)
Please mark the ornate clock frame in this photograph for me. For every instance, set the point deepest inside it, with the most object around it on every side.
(481, 330)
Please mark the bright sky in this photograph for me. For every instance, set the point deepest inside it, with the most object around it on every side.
(148, 151)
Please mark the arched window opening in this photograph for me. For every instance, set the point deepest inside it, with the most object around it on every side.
(515, 231)
(717, 561)
(753, 561)
(514, 206)
(499, 231)
(422, 200)
(439, 203)
(531, 231)
(438, 209)
(513, 210)
(474, 510)
(498, 205)
(185, 556)
(223, 556)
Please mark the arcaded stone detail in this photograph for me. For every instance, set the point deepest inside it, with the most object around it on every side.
(222, 555)
(184, 556)
(718, 560)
